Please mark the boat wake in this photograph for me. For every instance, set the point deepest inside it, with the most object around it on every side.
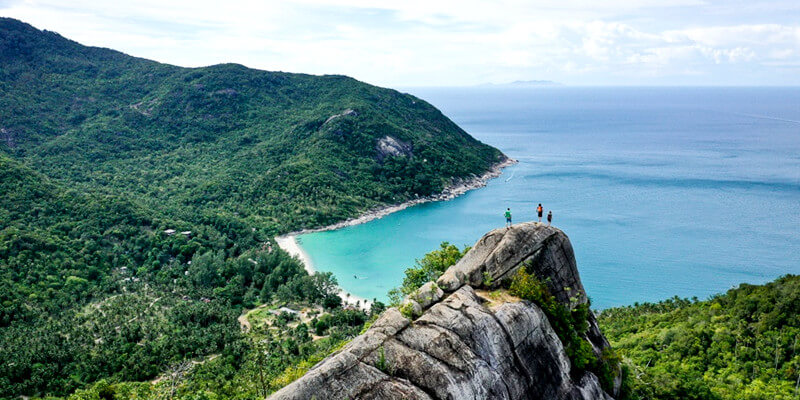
(771, 118)
(512, 174)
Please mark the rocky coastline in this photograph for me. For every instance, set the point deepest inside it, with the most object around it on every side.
(456, 189)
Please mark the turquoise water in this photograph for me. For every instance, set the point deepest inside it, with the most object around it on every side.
(663, 191)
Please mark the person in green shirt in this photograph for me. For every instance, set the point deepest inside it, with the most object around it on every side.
(508, 217)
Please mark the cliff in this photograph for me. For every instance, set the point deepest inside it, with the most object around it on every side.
(467, 339)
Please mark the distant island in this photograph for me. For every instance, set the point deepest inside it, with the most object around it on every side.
(522, 84)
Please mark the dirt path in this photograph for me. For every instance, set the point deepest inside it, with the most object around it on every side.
(243, 322)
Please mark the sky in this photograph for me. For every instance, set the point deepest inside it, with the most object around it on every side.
(407, 43)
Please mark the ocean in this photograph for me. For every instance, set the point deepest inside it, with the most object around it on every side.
(663, 191)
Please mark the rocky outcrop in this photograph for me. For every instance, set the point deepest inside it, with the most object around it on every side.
(463, 341)
(392, 147)
(498, 254)
(348, 112)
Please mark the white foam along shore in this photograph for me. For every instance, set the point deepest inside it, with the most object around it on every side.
(288, 242)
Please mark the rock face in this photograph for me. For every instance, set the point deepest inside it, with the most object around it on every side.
(463, 344)
(392, 147)
(348, 112)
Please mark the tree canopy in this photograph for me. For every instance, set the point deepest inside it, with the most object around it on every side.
(739, 345)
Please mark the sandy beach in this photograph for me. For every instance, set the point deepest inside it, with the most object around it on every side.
(289, 244)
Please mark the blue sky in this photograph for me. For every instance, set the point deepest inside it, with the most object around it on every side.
(451, 43)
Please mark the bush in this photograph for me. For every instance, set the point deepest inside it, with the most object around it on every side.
(407, 309)
(425, 270)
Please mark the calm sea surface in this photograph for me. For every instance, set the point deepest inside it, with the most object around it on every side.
(663, 191)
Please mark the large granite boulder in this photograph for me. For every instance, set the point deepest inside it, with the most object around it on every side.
(544, 250)
(463, 344)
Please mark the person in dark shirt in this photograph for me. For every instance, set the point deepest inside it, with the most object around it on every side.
(549, 217)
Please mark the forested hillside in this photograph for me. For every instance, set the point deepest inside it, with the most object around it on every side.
(222, 144)
(92, 287)
(739, 345)
(138, 200)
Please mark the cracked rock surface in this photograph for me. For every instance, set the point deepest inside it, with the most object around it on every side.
(464, 346)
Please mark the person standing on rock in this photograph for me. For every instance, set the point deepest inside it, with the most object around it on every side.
(540, 210)
(549, 217)
(508, 217)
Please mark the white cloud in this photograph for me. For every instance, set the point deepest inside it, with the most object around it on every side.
(759, 34)
(423, 42)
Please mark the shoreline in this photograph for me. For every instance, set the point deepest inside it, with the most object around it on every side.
(450, 192)
(288, 242)
(290, 245)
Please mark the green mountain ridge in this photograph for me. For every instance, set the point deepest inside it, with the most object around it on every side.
(224, 138)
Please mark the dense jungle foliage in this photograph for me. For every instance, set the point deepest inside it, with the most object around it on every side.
(739, 345)
(280, 348)
(138, 202)
(92, 288)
